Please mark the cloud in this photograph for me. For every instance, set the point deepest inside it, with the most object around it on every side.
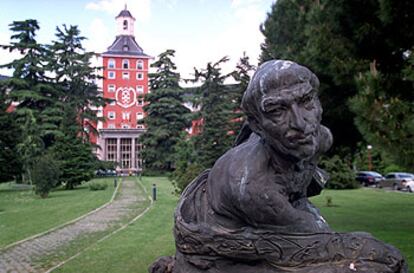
(112, 7)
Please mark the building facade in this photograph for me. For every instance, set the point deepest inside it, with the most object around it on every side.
(125, 82)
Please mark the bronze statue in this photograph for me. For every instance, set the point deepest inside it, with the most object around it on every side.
(250, 213)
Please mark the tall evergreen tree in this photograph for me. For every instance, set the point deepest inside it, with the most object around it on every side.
(75, 77)
(10, 163)
(29, 85)
(216, 113)
(166, 116)
(242, 76)
(340, 40)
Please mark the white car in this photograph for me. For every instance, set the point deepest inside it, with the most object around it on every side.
(409, 186)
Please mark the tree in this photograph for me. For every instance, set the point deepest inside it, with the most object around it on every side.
(340, 41)
(166, 116)
(73, 155)
(242, 75)
(10, 163)
(75, 77)
(216, 113)
(45, 173)
(29, 85)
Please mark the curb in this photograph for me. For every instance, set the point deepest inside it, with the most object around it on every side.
(110, 234)
(65, 224)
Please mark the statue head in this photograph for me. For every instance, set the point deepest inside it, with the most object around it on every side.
(282, 106)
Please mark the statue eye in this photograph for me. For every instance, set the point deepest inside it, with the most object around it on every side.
(277, 111)
(307, 101)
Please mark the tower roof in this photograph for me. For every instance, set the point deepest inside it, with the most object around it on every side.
(125, 13)
(125, 45)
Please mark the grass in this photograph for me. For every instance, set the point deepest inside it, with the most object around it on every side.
(24, 214)
(386, 215)
(134, 248)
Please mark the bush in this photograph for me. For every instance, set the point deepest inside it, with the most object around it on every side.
(184, 174)
(341, 174)
(45, 175)
(97, 186)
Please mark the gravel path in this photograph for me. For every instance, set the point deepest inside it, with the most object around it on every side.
(25, 257)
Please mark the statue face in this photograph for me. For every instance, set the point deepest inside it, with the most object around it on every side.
(290, 120)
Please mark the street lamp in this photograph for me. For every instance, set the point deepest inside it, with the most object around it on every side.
(369, 148)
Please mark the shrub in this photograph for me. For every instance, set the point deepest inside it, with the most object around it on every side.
(45, 175)
(341, 174)
(97, 186)
(184, 174)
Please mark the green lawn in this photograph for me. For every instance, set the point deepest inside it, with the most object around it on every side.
(134, 248)
(389, 216)
(23, 214)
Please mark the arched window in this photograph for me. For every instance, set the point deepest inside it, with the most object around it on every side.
(125, 64)
(111, 63)
(140, 65)
(125, 24)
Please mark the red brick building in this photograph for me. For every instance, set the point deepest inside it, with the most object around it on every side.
(126, 82)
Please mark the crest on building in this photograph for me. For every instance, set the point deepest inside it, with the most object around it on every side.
(125, 97)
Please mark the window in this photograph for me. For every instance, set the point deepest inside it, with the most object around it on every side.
(140, 115)
(111, 63)
(113, 102)
(111, 75)
(140, 102)
(125, 126)
(140, 126)
(125, 48)
(140, 65)
(111, 148)
(111, 126)
(126, 151)
(140, 76)
(138, 156)
(111, 115)
(125, 64)
(126, 115)
(111, 87)
(125, 24)
(125, 75)
(140, 89)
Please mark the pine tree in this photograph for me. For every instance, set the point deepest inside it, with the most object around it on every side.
(242, 76)
(75, 77)
(166, 116)
(216, 113)
(29, 85)
(340, 41)
(10, 163)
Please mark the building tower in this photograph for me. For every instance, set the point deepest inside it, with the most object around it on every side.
(125, 82)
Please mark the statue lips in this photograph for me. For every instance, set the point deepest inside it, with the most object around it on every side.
(300, 138)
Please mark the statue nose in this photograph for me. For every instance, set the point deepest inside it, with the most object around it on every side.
(297, 119)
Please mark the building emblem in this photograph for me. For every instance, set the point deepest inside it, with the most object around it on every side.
(126, 97)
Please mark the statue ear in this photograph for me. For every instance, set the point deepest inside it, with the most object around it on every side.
(326, 139)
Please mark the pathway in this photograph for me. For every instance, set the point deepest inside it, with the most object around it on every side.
(26, 256)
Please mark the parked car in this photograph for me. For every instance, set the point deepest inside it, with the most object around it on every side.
(105, 172)
(397, 181)
(368, 178)
(409, 186)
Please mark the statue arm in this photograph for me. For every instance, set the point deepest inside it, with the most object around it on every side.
(274, 209)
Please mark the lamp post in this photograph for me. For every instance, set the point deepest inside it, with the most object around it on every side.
(369, 148)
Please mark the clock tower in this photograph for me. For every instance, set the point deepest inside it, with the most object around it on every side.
(125, 82)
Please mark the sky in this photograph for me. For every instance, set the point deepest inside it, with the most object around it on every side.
(200, 31)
